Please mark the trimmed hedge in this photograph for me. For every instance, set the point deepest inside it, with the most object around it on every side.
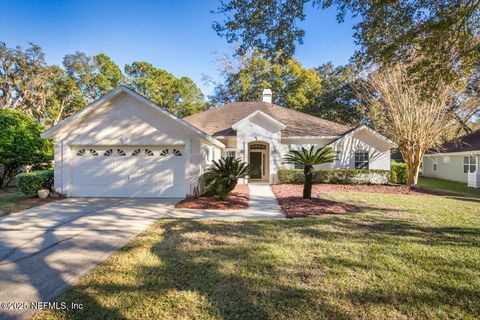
(30, 182)
(398, 172)
(338, 176)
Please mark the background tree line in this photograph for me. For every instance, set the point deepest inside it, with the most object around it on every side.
(50, 93)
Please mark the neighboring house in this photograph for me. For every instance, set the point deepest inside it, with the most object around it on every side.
(455, 160)
(123, 145)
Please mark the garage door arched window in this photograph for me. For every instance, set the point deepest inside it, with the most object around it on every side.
(121, 153)
(136, 152)
(148, 152)
(108, 153)
(164, 153)
(177, 153)
(84, 153)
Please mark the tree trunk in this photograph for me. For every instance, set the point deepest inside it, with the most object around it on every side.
(413, 158)
(307, 186)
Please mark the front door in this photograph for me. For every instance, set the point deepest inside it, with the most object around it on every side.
(256, 165)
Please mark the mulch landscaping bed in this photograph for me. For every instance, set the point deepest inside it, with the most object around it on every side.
(238, 199)
(385, 189)
(289, 197)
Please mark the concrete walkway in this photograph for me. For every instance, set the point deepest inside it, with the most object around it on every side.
(263, 205)
(262, 199)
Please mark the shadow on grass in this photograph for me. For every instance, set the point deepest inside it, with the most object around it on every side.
(229, 266)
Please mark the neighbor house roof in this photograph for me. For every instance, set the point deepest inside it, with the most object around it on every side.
(469, 142)
(218, 121)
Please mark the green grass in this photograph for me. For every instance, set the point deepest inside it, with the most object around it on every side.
(400, 257)
(445, 185)
(8, 202)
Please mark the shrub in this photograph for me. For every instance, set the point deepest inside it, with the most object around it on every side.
(222, 176)
(338, 176)
(398, 172)
(20, 143)
(30, 182)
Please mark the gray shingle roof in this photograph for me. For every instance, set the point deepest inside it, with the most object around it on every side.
(218, 121)
(469, 142)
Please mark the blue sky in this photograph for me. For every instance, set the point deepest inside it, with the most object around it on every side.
(173, 35)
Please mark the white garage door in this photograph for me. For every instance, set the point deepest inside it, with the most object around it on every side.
(128, 171)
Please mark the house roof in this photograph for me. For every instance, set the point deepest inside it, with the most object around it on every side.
(50, 133)
(351, 132)
(469, 142)
(218, 121)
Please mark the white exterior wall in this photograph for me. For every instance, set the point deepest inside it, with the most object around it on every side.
(379, 151)
(260, 129)
(125, 121)
(449, 167)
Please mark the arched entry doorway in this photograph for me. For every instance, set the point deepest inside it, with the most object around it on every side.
(258, 158)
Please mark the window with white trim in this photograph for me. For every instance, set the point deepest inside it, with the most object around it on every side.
(229, 153)
(338, 155)
(469, 164)
(361, 159)
(299, 166)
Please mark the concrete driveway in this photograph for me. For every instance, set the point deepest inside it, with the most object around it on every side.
(45, 249)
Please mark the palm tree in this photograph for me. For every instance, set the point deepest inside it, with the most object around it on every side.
(222, 176)
(309, 158)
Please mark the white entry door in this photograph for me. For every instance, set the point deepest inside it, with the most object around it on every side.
(128, 171)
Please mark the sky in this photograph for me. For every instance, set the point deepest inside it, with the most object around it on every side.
(173, 35)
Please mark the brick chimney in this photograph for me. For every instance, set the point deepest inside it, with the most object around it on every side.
(267, 95)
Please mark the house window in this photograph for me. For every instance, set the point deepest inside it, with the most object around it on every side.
(469, 164)
(435, 164)
(229, 154)
(299, 166)
(361, 159)
(338, 155)
(257, 146)
(177, 153)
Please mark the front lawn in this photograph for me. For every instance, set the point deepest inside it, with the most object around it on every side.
(398, 257)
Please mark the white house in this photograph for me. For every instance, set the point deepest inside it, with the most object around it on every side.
(455, 160)
(123, 145)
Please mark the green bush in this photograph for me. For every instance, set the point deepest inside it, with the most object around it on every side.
(398, 173)
(30, 182)
(20, 144)
(337, 176)
(222, 176)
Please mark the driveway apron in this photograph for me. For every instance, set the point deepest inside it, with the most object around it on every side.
(45, 249)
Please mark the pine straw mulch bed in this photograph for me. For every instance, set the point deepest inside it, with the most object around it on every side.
(290, 197)
(238, 199)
